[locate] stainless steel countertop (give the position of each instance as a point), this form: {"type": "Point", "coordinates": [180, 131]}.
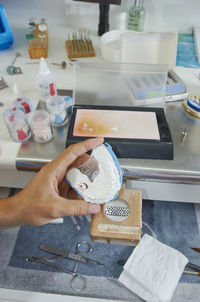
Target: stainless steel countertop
{"type": "Point", "coordinates": [184, 168]}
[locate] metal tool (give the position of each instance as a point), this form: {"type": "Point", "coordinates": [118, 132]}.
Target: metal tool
{"type": "Point", "coordinates": [184, 133]}
{"type": "Point", "coordinates": [33, 62]}
{"type": "Point", "coordinates": [66, 254]}
{"type": "Point", "coordinates": [190, 265]}
{"type": "Point", "coordinates": [191, 272]}
{"type": "Point", "coordinates": [82, 247]}
{"type": "Point", "coordinates": [63, 64]}
{"type": "Point", "coordinates": [76, 279]}
{"type": "Point", "coordinates": [18, 54]}
{"type": "Point", "coordinates": [193, 266]}
{"type": "Point", "coordinates": [11, 69]}
{"type": "Point", "coordinates": [78, 282]}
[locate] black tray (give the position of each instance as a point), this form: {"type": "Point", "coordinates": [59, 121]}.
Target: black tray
{"type": "Point", "coordinates": [132, 148]}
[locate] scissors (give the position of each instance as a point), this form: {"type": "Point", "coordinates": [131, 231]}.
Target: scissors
{"type": "Point", "coordinates": [78, 282]}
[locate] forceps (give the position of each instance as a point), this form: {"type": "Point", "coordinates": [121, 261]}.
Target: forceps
{"type": "Point", "coordinates": [81, 248]}
{"type": "Point", "coordinates": [75, 276]}
{"type": "Point", "coordinates": [78, 282]}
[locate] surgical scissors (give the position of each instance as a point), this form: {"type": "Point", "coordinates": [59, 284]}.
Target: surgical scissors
{"type": "Point", "coordinates": [84, 246]}
{"type": "Point", "coordinates": [75, 276]}
{"type": "Point", "coordinates": [78, 282]}
{"type": "Point", "coordinates": [81, 248]}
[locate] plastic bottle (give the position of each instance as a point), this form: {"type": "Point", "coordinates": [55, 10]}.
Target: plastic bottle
{"type": "Point", "coordinates": [136, 16]}
{"type": "Point", "coordinates": [45, 81]}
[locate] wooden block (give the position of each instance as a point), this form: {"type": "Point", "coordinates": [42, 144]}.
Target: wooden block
{"type": "Point", "coordinates": [127, 231]}
{"type": "Point", "coordinates": [38, 46]}
{"type": "Point", "coordinates": [79, 49]}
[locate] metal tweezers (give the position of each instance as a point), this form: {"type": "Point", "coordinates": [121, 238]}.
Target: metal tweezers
{"type": "Point", "coordinates": [66, 254]}
{"type": "Point", "coordinates": [78, 281]}
{"type": "Point", "coordinates": [45, 261]}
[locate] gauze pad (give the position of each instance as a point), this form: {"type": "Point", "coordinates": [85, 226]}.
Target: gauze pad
{"type": "Point", "coordinates": [99, 179]}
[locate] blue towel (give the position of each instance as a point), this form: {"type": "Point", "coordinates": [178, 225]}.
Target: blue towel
{"type": "Point", "coordinates": [172, 223]}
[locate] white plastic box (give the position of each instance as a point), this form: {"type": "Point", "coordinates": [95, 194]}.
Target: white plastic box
{"type": "Point", "coordinates": [127, 46]}
{"type": "Point", "coordinates": [119, 84]}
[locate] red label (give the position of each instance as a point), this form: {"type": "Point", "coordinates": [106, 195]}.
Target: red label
{"type": "Point", "coordinates": [21, 134]}
{"type": "Point", "coordinates": [52, 89]}
{"type": "Point", "coordinates": [26, 107]}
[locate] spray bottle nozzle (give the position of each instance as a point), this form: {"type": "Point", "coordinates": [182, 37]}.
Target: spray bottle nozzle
{"type": "Point", "coordinates": [43, 66]}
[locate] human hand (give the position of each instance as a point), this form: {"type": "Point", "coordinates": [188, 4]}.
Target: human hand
{"type": "Point", "coordinates": [47, 196]}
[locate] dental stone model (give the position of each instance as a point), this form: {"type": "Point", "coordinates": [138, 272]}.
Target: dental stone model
{"type": "Point", "coordinates": [99, 179]}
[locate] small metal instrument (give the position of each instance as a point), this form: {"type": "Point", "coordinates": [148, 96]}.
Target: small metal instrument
{"type": "Point", "coordinates": [18, 54]}
{"type": "Point", "coordinates": [184, 133]}
{"type": "Point", "coordinates": [11, 69]}
{"type": "Point", "coordinates": [78, 282]}
{"type": "Point", "coordinates": [66, 254]}
{"type": "Point", "coordinates": [193, 266]}
{"type": "Point", "coordinates": [63, 64]}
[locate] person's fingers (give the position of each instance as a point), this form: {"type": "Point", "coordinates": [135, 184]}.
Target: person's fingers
{"type": "Point", "coordinates": [67, 157]}
{"type": "Point", "coordinates": [75, 207]}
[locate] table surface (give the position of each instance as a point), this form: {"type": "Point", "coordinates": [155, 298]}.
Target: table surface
{"type": "Point", "coordinates": [185, 168]}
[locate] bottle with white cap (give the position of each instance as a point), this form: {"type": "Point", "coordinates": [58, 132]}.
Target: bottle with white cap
{"type": "Point", "coordinates": [136, 16]}
{"type": "Point", "coordinates": [45, 81]}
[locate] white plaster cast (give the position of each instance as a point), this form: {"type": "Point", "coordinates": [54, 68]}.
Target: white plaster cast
{"type": "Point", "coordinates": [107, 181]}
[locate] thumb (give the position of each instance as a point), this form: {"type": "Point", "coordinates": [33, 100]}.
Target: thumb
{"type": "Point", "coordinates": [78, 207]}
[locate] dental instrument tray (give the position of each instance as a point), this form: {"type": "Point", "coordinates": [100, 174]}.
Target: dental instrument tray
{"type": "Point", "coordinates": [133, 132]}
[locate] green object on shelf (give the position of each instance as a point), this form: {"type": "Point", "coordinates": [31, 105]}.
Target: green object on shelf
{"type": "Point", "coordinates": [29, 36]}
{"type": "Point", "coordinates": [136, 16]}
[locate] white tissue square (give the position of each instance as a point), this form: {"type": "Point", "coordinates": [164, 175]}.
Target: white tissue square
{"type": "Point", "coordinates": [153, 270]}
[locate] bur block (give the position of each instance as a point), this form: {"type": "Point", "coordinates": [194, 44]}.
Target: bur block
{"type": "Point", "coordinates": [38, 46]}
{"type": "Point", "coordinates": [79, 49]}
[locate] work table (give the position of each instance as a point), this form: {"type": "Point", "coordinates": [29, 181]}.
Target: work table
{"type": "Point", "coordinates": [184, 168]}
{"type": "Point", "coordinates": [167, 180]}
{"type": "Point", "coordinates": [181, 175]}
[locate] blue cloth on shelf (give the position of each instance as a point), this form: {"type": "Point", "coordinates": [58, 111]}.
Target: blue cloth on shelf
{"type": "Point", "coordinates": [173, 223]}
{"type": "Point", "coordinates": [186, 52]}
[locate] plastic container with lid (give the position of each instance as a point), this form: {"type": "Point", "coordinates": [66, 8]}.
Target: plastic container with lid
{"type": "Point", "coordinates": [23, 103]}
{"type": "Point", "coordinates": [69, 104]}
{"type": "Point", "coordinates": [45, 81]}
{"type": "Point", "coordinates": [56, 106]}
{"type": "Point", "coordinates": [120, 84]}
{"type": "Point", "coordinates": [41, 126]}
{"type": "Point", "coordinates": [17, 124]}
